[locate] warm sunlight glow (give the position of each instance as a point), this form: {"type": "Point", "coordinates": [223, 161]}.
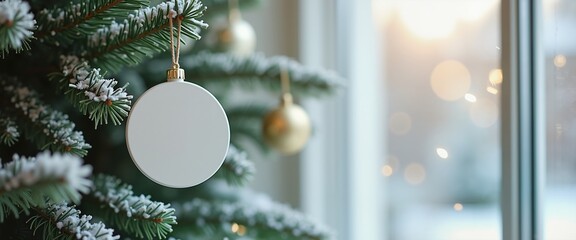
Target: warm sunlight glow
{"type": "Point", "coordinates": [439, 19]}
{"type": "Point", "coordinates": [560, 60]}
{"type": "Point", "coordinates": [495, 76]}
{"type": "Point", "coordinates": [484, 113]}
{"type": "Point", "coordinates": [470, 97]}
{"type": "Point", "coordinates": [387, 170]}
{"type": "Point", "coordinates": [400, 123]}
{"type": "Point", "coordinates": [450, 80]}
{"type": "Point", "coordinates": [475, 10]}
{"type": "Point", "coordinates": [415, 174]}
{"type": "Point", "coordinates": [427, 19]}
{"type": "Point", "coordinates": [442, 153]}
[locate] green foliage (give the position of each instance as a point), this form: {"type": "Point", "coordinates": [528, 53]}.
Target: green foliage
{"type": "Point", "coordinates": [8, 130]}
{"type": "Point", "coordinates": [220, 7]}
{"type": "Point", "coordinates": [61, 222]}
{"type": "Point", "coordinates": [74, 21]}
{"type": "Point", "coordinates": [112, 34]}
{"type": "Point", "coordinates": [248, 72]}
{"type": "Point", "coordinates": [34, 182]}
{"type": "Point", "coordinates": [236, 169]}
{"type": "Point", "coordinates": [136, 215]}
{"type": "Point", "coordinates": [16, 24]}
{"type": "Point", "coordinates": [257, 220]}
{"type": "Point", "coordinates": [47, 128]}
{"type": "Point", "coordinates": [246, 124]}
{"type": "Point", "coordinates": [142, 34]}
{"type": "Point", "coordinates": [91, 93]}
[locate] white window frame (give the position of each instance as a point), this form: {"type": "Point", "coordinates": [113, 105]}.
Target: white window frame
{"type": "Point", "coordinates": [333, 188]}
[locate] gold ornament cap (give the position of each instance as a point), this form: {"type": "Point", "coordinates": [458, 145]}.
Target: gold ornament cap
{"type": "Point", "coordinates": [175, 74]}
{"type": "Point", "coordinates": [286, 99]}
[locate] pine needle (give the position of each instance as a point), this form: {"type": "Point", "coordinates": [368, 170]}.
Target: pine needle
{"type": "Point", "coordinates": [29, 182]}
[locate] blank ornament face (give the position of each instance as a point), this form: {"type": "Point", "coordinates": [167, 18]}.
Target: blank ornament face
{"type": "Point", "coordinates": [177, 134]}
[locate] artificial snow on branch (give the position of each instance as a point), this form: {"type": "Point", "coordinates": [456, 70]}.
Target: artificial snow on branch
{"type": "Point", "coordinates": [236, 169]}
{"type": "Point", "coordinates": [8, 130]}
{"type": "Point", "coordinates": [91, 93]}
{"type": "Point", "coordinates": [61, 25]}
{"type": "Point", "coordinates": [136, 215]}
{"type": "Point", "coordinates": [31, 182]}
{"type": "Point", "coordinates": [254, 70]}
{"type": "Point", "coordinates": [16, 25]}
{"type": "Point", "coordinates": [47, 128]}
{"type": "Point", "coordinates": [60, 221]}
{"type": "Point", "coordinates": [261, 219]}
{"type": "Point", "coordinates": [142, 34]}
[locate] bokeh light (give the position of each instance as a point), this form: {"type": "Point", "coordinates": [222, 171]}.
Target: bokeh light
{"type": "Point", "coordinates": [492, 90]}
{"type": "Point", "coordinates": [560, 60]}
{"type": "Point", "coordinates": [238, 229]}
{"type": "Point", "coordinates": [458, 207]}
{"type": "Point", "coordinates": [470, 97]}
{"type": "Point", "coordinates": [415, 173]}
{"type": "Point", "coordinates": [442, 153]}
{"type": "Point", "coordinates": [450, 80]}
{"type": "Point", "coordinates": [400, 123]}
{"type": "Point", "coordinates": [495, 76]}
{"type": "Point", "coordinates": [387, 170]}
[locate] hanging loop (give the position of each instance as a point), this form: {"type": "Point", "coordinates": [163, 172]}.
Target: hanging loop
{"type": "Point", "coordinates": [175, 73]}
{"type": "Point", "coordinates": [285, 81]}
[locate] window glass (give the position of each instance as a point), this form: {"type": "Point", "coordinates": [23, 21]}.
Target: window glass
{"type": "Point", "coordinates": [559, 34]}
{"type": "Point", "coordinates": [443, 78]}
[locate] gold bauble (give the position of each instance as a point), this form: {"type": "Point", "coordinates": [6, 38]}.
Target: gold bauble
{"type": "Point", "coordinates": [238, 38]}
{"type": "Point", "coordinates": [287, 128]}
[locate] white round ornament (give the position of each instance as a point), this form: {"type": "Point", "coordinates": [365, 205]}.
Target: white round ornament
{"type": "Point", "coordinates": [177, 133]}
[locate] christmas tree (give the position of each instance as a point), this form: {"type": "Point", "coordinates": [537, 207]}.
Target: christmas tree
{"type": "Point", "coordinates": [69, 73]}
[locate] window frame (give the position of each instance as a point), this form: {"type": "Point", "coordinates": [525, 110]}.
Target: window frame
{"type": "Point", "coordinates": [523, 123]}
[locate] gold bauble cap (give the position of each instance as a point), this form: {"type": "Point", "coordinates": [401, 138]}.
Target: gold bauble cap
{"type": "Point", "coordinates": [175, 74]}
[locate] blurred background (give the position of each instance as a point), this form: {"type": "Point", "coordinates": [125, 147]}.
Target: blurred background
{"type": "Point", "coordinates": [410, 147]}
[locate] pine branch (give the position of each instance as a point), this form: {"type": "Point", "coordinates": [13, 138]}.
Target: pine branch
{"type": "Point", "coordinates": [16, 25]}
{"type": "Point", "coordinates": [76, 20]}
{"type": "Point", "coordinates": [256, 70]}
{"type": "Point", "coordinates": [59, 221]}
{"type": "Point", "coordinates": [142, 34]}
{"type": "Point", "coordinates": [9, 133]}
{"type": "Point", "coordinates": [246, 123]}
{"type": "Point", "coordinates": [27, 182]}
{"type": "Point", "coordinates": [265, 220]}
{"type": "Point", "coordinates": [236, 169]}
{"type": "Point", "coordinates": [136, 215]}
{"type": "Point", "coordinates": [91, 93]}
{"type": "Point", "coordinates": [47, 128]}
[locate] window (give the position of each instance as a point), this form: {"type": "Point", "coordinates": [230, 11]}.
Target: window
{"type": "Point", "coordinates": [559, 80]}
{"type": "Point", "coordinates": [457, 121]}
{"type": "Point", "coordinates": [443, 83]}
